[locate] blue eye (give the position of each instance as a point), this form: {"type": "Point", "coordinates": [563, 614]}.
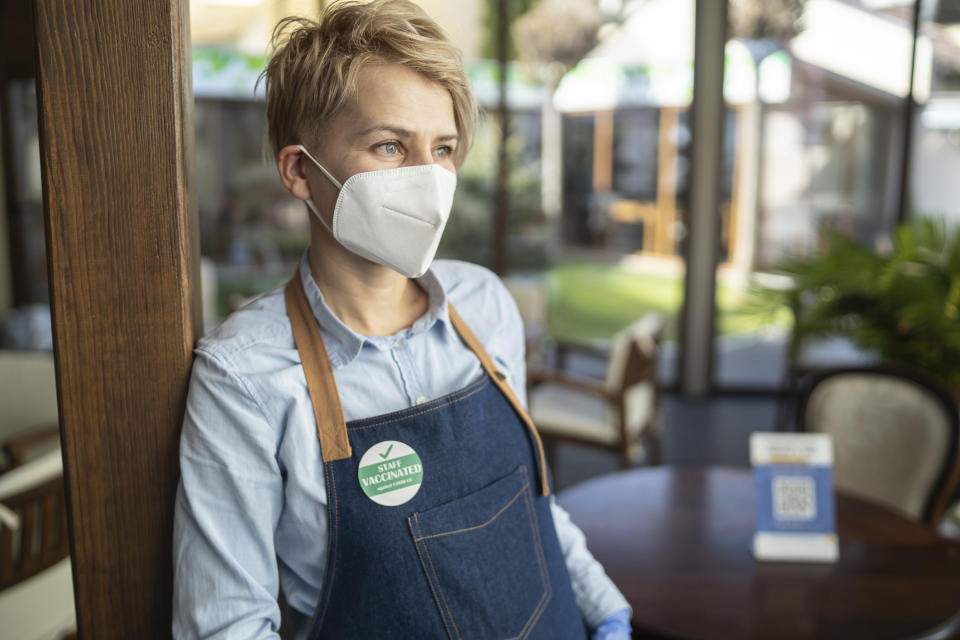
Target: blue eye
{"type": "Point", "coordinates": [444, 152]}
{"type": "Point", "coordinates": [390, 148]}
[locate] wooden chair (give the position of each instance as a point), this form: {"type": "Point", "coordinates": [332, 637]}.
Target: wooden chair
{"type": "Point", "coordinates": [619, 414]}
{"type": "Point", "coordinates": [36, 586]}
{"type": "Point", "coordinates": [895, 436]}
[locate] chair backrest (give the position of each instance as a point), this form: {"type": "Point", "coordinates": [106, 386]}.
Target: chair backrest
{"type": "Point", "coordinates": [36, 584]}
{"type": "Point", "coordinates": [895, 436]}
{"type": "Point", "coordinates": [33, 519]}
{"type": "Point", "coordinates": [634, 352]}
{"type": "Point", "coordinates": [28, 391]}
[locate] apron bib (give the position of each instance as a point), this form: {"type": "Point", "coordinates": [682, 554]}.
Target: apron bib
{"type": "Point", "coordinates": [439, 521]}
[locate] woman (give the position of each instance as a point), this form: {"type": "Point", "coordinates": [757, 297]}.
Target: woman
{"type": "Point", "coordinates": [356, 439]}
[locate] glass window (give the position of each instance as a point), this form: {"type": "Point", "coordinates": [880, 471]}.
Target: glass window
{"type": "Point", "coordinates": [818, 115]}
{"type": "Point", "coordinates": [935, 152]}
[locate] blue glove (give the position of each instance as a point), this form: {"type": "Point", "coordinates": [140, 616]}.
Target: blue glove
{"type": "Point", "coordinates": [616, 626]}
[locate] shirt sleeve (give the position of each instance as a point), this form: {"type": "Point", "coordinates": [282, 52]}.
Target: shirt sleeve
{"type": "Point", "coordinates": [227, 509]}
{"type": "Point", "coordinates": [596, 595]}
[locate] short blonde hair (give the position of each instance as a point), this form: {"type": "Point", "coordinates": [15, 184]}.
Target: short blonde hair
{"type": "Point", "coordinates": [313, 70]}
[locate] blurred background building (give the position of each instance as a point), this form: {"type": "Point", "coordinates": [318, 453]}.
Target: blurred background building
{"type": "Point", "coordinates": [839, 116]}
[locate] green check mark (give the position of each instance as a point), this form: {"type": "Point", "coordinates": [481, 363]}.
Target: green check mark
{"type": "Point", "coordinates": [386, 453]}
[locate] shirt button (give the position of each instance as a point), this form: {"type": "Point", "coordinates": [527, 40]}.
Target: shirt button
{"type": "Point", "coordinates": [422, 400]}
{"type": "Point", "coordinates": [398, 344]}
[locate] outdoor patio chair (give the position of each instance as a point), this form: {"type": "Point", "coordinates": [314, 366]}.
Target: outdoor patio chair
{"type": "Point", "coordinates": [895, 437]}
{"type": "Point", "coordinates": [619, 414]}
{"type": "Point", "coordinates": [36, 586]}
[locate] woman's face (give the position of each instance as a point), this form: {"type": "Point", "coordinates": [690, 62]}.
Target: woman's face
{"type": "Point", "coordinates": [399, 118]}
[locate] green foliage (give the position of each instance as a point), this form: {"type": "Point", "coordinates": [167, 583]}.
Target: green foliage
{"type": "Point", "coordinates": [901, 304]}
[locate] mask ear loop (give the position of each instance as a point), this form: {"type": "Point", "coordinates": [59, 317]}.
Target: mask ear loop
{"type": "Point", "coordinates": [335, 182]}
{"type": "Point", "coordinates": [309, 201]}
{"type": "Point", "coordinates": [313, 208]}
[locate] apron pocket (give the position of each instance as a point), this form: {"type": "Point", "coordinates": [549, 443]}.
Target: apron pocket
{"type": "Point", "coordinates": [483, 559]}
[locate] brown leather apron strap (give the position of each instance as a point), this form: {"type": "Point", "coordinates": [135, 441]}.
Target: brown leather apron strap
{"type": "Point", "coordinates": [500, 380]}
{"type": "Point", "coordinates": [331, 427]}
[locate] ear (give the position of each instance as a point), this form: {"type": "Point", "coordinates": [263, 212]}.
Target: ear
{"type": "Point", "coordinates": [290, 166]}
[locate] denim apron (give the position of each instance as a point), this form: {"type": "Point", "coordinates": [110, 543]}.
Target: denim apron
{"type": "Point", "coordinates": [473, 553]}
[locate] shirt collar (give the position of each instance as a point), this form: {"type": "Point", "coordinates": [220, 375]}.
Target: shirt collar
{"type": "Point", "coordinates": [343, 344]}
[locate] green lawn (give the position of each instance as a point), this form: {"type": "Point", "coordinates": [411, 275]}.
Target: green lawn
{"type": "Point", "coordinates": [589, 301]}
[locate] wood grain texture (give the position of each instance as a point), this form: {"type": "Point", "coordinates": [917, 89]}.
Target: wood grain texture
{"type": "Point", "coordinates": [677, 541]}
{"type": "Point", "coordinates": [115, 103]}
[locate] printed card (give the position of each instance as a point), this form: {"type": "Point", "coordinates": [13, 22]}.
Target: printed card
{"type": "Point", "coordinates": [793, 473]}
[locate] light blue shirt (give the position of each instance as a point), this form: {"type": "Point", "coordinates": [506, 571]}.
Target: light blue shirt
{"type": "Point", "coordinates": [251, 511]}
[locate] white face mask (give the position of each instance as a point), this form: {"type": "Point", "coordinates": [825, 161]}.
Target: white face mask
{"type": "Point", "coordinates": [393, 217]}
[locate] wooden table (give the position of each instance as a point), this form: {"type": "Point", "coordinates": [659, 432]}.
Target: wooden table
{"type": "Point", "coordinates": [677, 541]}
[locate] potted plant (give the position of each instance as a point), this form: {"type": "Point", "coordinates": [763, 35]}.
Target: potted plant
{"type": "Point", "coordinates": [901, 303]}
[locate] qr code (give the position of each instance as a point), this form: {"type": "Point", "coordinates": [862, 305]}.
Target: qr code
{"type": "Point", "coordinates": [794, 498]}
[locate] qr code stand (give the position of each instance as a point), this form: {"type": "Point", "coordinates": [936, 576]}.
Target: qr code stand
{"type": "Point", "coordinates": [793, 475]}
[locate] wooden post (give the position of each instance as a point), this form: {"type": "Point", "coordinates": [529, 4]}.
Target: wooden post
{"type": "Point", "coordinates": [115, 109]}
{"type": "Point", "coordinates": [603, 151]}
{"type": "Point", "coordinates": [667, 181]}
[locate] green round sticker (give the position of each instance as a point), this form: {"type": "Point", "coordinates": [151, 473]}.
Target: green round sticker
{"type": "Point", "coordinates": [390, 473]}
